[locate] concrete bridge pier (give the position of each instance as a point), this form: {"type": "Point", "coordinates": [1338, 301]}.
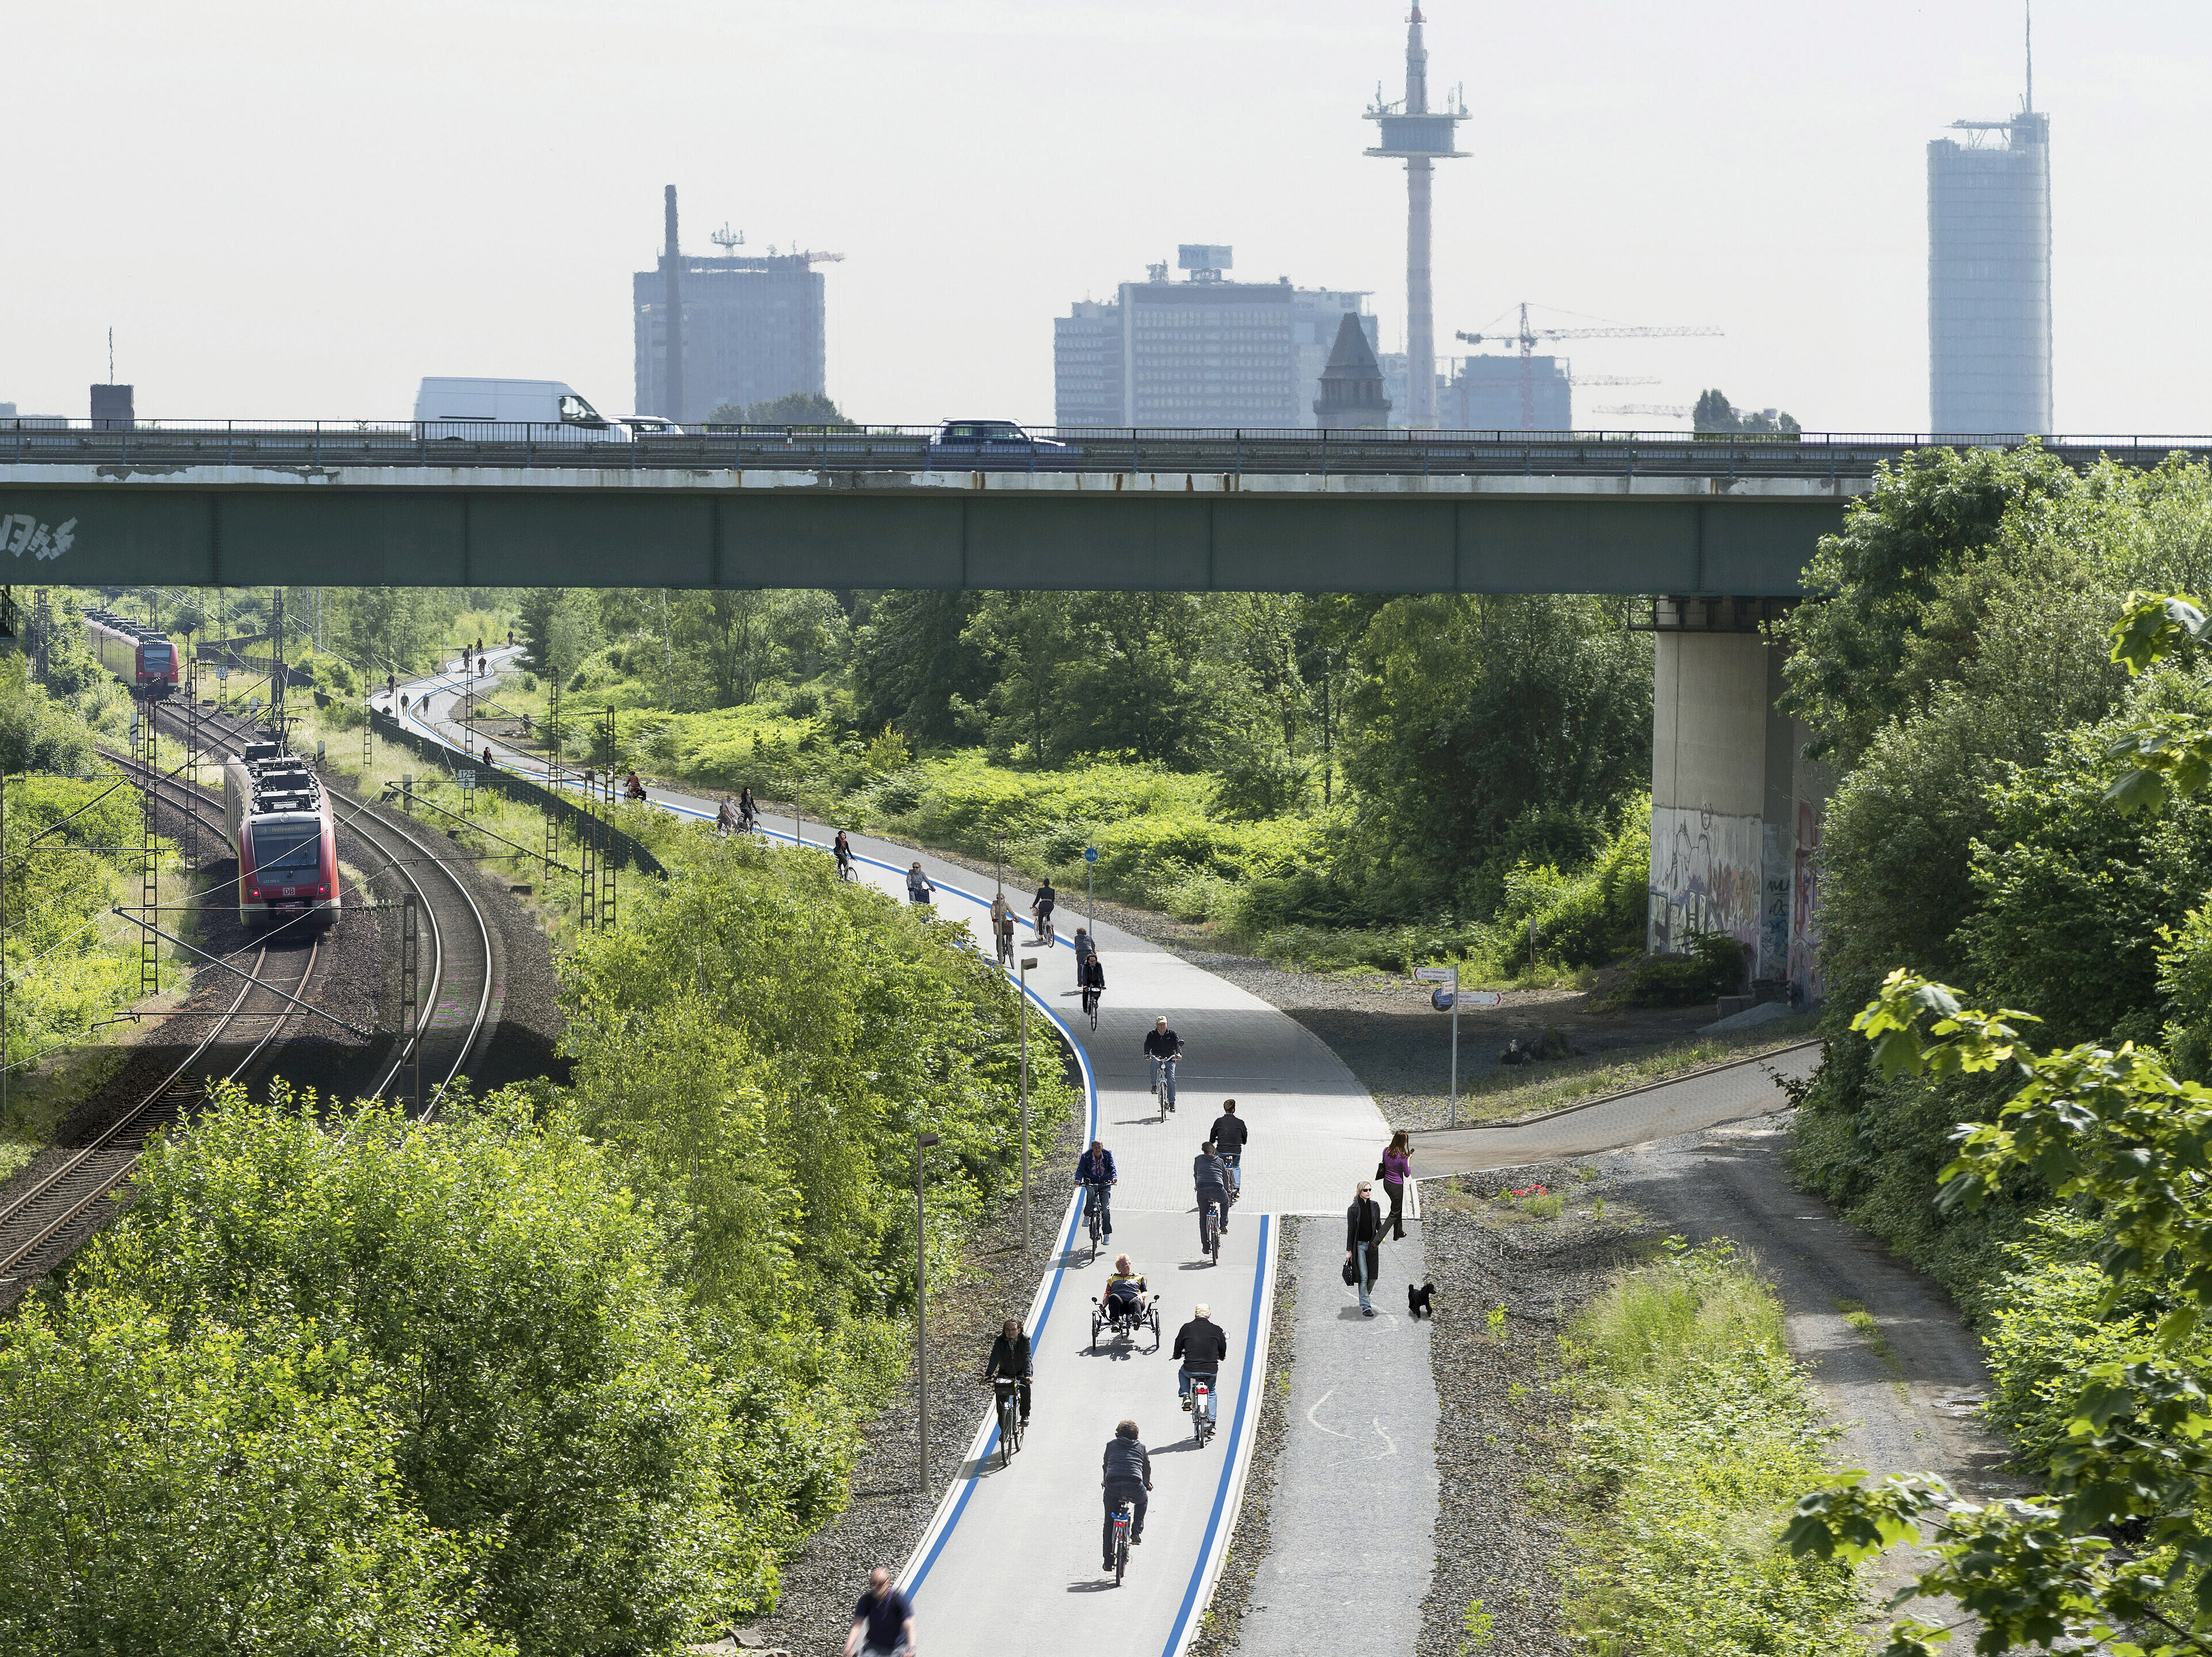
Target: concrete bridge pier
{"type": "Point", "coordinates": [1735, 807]}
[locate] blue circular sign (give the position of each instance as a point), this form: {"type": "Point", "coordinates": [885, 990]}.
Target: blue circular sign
{"type": "Point", "coordinates": [1090, 854]}
{"type": "Point", "coordinates": [1442, 999]}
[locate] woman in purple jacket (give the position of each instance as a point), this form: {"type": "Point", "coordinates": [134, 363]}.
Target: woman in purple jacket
{"type": "Point", "coordinates": [1393, 1171]}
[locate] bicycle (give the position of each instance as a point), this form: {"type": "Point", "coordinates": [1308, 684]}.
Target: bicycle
{"type": "Point", "coordinates": [1006, 940]}
{"type": "Point", "coordinates": [1094, 1206]}
{"type": "Point", "coordinates": [1043, 928]}
{"type": "Point", "coordinates": [1163, 1081]}
{"type": "Point", "coordinates": [1201, 1409]}
{"type": "Point", "coordinates": [1234, 1162]}
{"type": "Point", "coordinates": [1009, 1417]}
{"type": "Point", "coordinates": [1124, 1517]}
{"type": "Point", "coordinates": [1212, 1231]}
{"type": "Point", "coordinates": [1090, 999]}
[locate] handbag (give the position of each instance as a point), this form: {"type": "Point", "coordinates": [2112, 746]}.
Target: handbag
{"type": "Point", "coordinates": [1350, 1274]}
{"type": "Point", "coordinates": [1381, 1173]}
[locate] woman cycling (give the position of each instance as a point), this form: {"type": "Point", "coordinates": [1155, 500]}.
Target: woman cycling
{"type": "Point", "coordinates": [918, 889]}
{"type": "Point", "coordinates": [747, 811]}
{"type": "Point", "coordinates": [1091, 975]}
{"type": "Point", "coordinates": [843, 848]}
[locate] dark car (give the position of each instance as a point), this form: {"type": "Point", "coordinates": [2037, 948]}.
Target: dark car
{"type": "Point", "coordinates": [975, 443]}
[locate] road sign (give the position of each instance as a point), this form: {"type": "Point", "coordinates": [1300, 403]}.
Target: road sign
{"type": "Point", "coordinates": [223, 669]}
{"type": "Point", "coordinates": [1437, 975]}
{"type": "Point", "coordinates": [466, 778]}
{"type": "Point", "coordinates": [1090, 854]}
{"type": "Point", "coordinates": [1483, 999]}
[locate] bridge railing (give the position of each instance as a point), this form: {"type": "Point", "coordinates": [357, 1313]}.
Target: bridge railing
{"type": "Point", "coordinates": [1233, 451]}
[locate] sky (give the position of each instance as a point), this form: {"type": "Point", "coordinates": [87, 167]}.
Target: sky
{"type": "Point", "coordinates": [297, 208]}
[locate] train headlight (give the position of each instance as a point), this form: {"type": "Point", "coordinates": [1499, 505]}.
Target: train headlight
{"type": "Point", "coordinates": [322, 891]}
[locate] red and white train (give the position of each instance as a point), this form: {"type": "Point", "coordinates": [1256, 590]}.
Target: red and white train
{"type": "Point", "coordinates": [142, 658]}
{"type": "Point", "coordinates": [278, 817]}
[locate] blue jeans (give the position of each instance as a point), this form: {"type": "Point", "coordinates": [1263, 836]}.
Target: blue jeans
{"type": "Point", "coordinates": [1215, 1195]}
{"type": "Point", "coordinates": [1363, 1260]}
{"type": "Point", "coordinates": [1169, 1071]}
{"type": "Point", "coordinates": [1213, 1384]}
{"type": "Point", "coordinates": [1103, 1196]}
{"type": "Point", "coordinates": [1234, 1161]}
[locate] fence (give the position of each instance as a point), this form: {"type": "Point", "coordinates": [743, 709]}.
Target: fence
{"type": "Point", "coordinates": [613, 843]}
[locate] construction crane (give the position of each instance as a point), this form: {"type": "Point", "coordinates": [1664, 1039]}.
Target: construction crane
{"type": "Point", "coordinates": [1666, 410]}
{"type": "Point", "coordinates": [1525, 338]}
{"type": "Point", "coordinates": [1613, 379]}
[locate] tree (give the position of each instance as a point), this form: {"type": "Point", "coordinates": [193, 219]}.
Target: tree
{"type": "Point", "coordinates": [223, 1491]}
{"type": "Point", "coordinates": [1715, 413]}
{"type": "Point", "coordinates": [2117, 1548]}
{"type": "Point", "coordinates": [792, 409]}
{"type": "Point", "coordinates": [560, 629]}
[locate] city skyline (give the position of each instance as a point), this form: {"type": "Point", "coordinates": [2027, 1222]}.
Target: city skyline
{"type": "Point", "coordinates": [1637, 167]}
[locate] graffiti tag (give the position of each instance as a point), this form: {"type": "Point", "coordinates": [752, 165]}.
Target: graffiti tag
{"type": "Point", "coordinates": [20, 533]}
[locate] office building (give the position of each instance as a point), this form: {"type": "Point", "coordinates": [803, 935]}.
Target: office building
{"type": "Point", "coordinates": [1988, 277]}
{"type": "Point", "coordinates": [1483, 394]}
{"type": "Point", "coordinates": [1205, 351]}
{"type": "Point", "coordinates": [749, 328]}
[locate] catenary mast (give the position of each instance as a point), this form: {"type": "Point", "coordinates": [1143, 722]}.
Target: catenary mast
{"type": "Point", "coordinates": [1411, 131]}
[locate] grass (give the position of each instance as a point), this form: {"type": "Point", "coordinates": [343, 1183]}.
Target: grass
{"type": "Point", "coordinates": [1695, 1435]}
{"type": "Point", "coordinates": [1869, 1330]}
{"type": "Point", "coordinates": [1537, 1089]}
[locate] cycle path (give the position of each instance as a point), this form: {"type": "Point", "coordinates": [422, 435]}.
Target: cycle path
{"type": "Point", "coordinates": [1012, 1555]}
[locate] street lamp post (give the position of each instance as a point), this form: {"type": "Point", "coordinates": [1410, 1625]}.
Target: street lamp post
{"type": "Point", "coordinates": [921, 1142]}
{"type": "Point", "coordinates": [1028, 964]}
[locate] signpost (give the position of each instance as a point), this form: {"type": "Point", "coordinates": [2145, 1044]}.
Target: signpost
{"type": "Point", "coordinates": [1445, 997]}
{"type": "Point", "coordinates": [1090, 903]}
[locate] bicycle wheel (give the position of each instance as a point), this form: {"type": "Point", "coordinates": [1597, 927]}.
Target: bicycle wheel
{"type": "Point", "coordinates": [1120, 1552]}
{"type": "Point", "coordinates": [1214, 1233]}
{"type": "Point", "coordinates": [1008, 1414]}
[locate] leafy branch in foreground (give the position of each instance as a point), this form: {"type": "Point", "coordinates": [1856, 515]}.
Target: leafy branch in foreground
{"type": "Point", "coordinates": [2116, 1550]}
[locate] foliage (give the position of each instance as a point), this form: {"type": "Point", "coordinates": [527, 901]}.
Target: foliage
{"type": "Point", "coordinates": [792, 409]}
{"type": "Point", "coordinates": [552, 1404]}
{"type": "Point", "coordinates": [1693, 1431]}
{"type": "Point", "coordinates": [1713, 966]}
{"type": "Point", "coordinates": [212, 1489]}
{"type": "Point", "coordinates": [1715, 413]}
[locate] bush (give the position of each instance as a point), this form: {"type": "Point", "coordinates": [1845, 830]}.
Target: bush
{"type": "Point", "coordinates": [1713, 968]}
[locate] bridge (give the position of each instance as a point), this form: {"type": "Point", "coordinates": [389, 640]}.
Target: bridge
{"type": "Point", "coordinates": [238, 503]}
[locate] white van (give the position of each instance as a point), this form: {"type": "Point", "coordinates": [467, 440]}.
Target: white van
{"type": "Point", "coordinates": [512, 411]}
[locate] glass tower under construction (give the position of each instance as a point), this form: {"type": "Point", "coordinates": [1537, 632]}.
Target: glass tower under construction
{"type": "Point", "coordinates": [1988, 278]}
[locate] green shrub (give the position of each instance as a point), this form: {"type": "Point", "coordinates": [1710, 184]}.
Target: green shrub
{"type": "Point", "coordinates": [1714, 967]}
{"type": "Point", "coordinates": [1696, 1434]}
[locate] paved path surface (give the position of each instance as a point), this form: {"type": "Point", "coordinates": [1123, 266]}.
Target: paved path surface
{"type": "Point", "coordinates": [1355, 1503]}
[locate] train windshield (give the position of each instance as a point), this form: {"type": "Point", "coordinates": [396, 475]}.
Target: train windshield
{"type": "Point", "coordinates": [287, 848]}
{"type": "Point", "coordinates": [157, 655]}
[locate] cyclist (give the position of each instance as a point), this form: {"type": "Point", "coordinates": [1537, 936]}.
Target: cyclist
{"type": "Point", "coordinates": [1091, 975]}
{"type": "Point", "coordinates": [1095, 1174]}
{"type": "Point", "coordinates": [918, 889]}
{"type": "Point", "coordinates": [1009, 1359]}
{"type": "Point", "coordinates": [1002, 928]}
{"type": "Point", "coordinates": [392, 684]}
{"type": "Point", "coordinates": [632, 788]}
{"type": "Point", "coordinates": [1085, 949]}
{"type": "Point", "coordinates": [1230, 1132]}
{"type": "Point", "coordinates": [746, 810]}
{"type": "Point", "coordinates": [1200, 1345]}
{"type": "Point", "coordinates": [1125, 1288]}
{"type": "Point", "coordinates": [1164, 1048]}
{"type": "Point", "coordinates": [1212, 1179]}
{"type": "Point", "coordinates": [725, 817]}
{"type": "Point", "coordinates": [883, 1621]}
{"type": "Point", "coordinates": [487, 757]}
{"type": "Point", "coordinates": [1126, 1476]}
{"type": "Point", "coordinates": [1041, 910]}
{"type": "Point", "coordinates": [843, 848]}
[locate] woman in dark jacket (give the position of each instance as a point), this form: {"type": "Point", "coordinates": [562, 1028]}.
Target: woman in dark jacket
{"type": "Point", "coordinates": [1010, 1356]}
{"type": "Point", "coordinates": [1363, 1233]}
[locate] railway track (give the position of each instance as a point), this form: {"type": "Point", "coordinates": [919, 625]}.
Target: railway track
{"type": "Point", "coordinates": [42, 1223]}
{"type": "Point", "coordinates": [461, 961]}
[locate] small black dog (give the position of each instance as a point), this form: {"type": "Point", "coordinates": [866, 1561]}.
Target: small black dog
{"type": "Point", "coordinates": [1416, 1300]}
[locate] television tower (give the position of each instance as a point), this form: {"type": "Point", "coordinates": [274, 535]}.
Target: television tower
{"type": "Point", "coordinates": [1411, 131]}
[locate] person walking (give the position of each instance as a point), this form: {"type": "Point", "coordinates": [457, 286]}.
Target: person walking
{"type": "Point", "coordinates": [1126, 1476]}
{"type": "Point", "coordinates": [1200, 1346]}
{"type": "Point", "coordinates": [883, 1621]}
{"type": "Point", "coordinates": [1212, 1179]}
{"type": "Point", "coordinates": [1393, 1170]}
{"type": "Point", "coordinates": [1363, 1231]}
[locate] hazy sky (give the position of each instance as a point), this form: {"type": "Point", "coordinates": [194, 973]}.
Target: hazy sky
{"type": "Point", "coordinates": [301, 208]}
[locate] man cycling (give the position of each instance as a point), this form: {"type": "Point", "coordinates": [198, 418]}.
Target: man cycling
{"type": "Point", "coordinates": [1010, 1360]}
{"type": "Point", "coordinates": [1126, 1476]}
{"type": "Point", "coordinates": [1095, 1174]}
{"type": "Point", "coordinates": [746, 810]}
{"type": "Point", "coordinates": [1212, 1179]}
{"type": "Point", "coordinates": [1091, 977]}
{"type": "Point", "coordinates": [1002, 928]}
{"type": "Point", "coordinates": [1083, 949]}
{"type": "Point", "coordinates": [632, 788]}
{"type": "Point", "coordinates": [1230, 1132]}
{"type": "Point", "coordinates": [1041, 908]}
{"type": "Point", "coordinates": [882, 1621]}
{"type": "Point", "coordinates": [843, 848]}
{"type": "Point", "coordinates": [1164, 1048]}
{"type": "Point", "coordinates": [1125, 1289]}
{"type": "Point", "coordinates": [1200, 1345]}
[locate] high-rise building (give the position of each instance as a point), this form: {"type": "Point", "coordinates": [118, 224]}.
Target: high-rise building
{"type": "Point", "coordinates": [1202, 352]}
{"type": "Point", "coordinates": [1988, 275]}
{"type": "Point", "coordinates": [750, 329]}
{"type": "Point", "coordinates": [1411, 130]}
{"type": "Point", "coordinates": [1485, 394]}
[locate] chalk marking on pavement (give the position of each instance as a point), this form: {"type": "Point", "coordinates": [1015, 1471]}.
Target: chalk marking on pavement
{"type": "Point", "coordinates": [1317, 1403]}
{"type": "Point", "coordinates": [1387, 1439]}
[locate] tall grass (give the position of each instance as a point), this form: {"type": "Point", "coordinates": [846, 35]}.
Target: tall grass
{"type": "Point", "coordinates": [1697, 1434]}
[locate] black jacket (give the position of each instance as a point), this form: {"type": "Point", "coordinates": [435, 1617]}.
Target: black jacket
{"type": "Point", "coordinates": [1200, 1343]}
{"type": "Point", "coordinates": [1128, 1461]}
{"type": "Point", "coordinates": [1364, 1215]}
{"type": "Point", "coordinates": [1230, 1132]}
{"type": "Point", "coordinates": [1093, 973]}
{"type": "Point", "coordinates": [1162, 1044]}
{"type": "Point", "coordinates": [1009, 1357]}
